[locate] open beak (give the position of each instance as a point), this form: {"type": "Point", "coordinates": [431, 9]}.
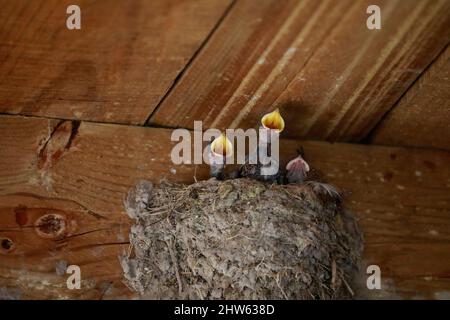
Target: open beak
{"type": "Point", "coordinates": [297, 170]}
{"type": "Point", "coordinates": [298, 164]}
{"type": "Point", "coordinates": [273, 121]}
{"type": "Point", "coordinates": [221, 146]}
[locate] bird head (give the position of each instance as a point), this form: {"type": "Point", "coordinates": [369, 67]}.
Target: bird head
{"type": "Point", "coordinates": [222, 147]}
{"type": "Point", "coordinates": [297, 169]}
{"type": "Point", "coordinates": [273, 121]}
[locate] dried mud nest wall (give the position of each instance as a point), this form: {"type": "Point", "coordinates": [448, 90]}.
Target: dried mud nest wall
{"type": "Point", "coordinates": [240, 239]}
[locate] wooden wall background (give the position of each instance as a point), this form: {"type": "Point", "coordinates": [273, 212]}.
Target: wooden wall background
{"type": "Point", "coordinates": [86, 114]}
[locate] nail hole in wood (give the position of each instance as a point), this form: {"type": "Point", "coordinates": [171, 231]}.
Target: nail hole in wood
{"type": "Point", "coordinates": [6, 244]}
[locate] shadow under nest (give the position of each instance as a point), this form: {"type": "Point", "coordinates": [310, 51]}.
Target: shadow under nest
{"type": "Point", "coordinates": [240, 239]}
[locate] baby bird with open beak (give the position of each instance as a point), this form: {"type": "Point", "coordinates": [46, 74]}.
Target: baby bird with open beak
{"type": "Point", "coordinates": [272, 124]}
{"type": "Point", "coordinates": [220, 149]}
{"type": "Point", "coordinates": [273, 121]}
{"type": "Point", "coordinates": [297, 169]}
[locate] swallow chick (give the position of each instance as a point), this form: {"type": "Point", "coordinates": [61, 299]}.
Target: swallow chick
{"type": "Point", "coordinates": [220, 149]}
{"type": "Point", "coordinates": [297, 169]}
{"type": "Point", "coordinates": [272, 124]}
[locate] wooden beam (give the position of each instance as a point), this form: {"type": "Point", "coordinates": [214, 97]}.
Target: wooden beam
{"type": "Point", "coordinates": [330, 75]}
{"type": "Point", "coordinates": [115, 69]}
{"type": "Point", "coordinates": [82, 171]}
{"type": "Point", "coordinates": [422, 117]}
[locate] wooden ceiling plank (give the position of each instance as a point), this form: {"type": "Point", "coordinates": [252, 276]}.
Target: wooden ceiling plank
{"type": "Point", "coordinates": [422, 117]}
{"type": "Point", "coordinates": [115, 69]}
{"type": "Point", "coordinates": [331, 77]}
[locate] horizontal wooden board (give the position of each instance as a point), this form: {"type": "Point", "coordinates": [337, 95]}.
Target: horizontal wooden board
{"type": "Point", "coordinates": [115, 69]}
{"type": "Point", "coordinates": [422, 116]}
{"type": "Point", "coordinates": [330, 75]}
{"type": "Point", "coordinates": [82, 171]}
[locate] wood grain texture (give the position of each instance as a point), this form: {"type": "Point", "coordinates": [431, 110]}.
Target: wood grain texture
{"type": "Point", "coordinates": [422, 116]}
{"type": "Point", "coordinates": [317, 61]}
{"type": "Point", "coordinates": [82, 171]}
{"type": "Point", "coordinates": [35, 267]}
{"type": "Point", "coordinates": [115, 69]}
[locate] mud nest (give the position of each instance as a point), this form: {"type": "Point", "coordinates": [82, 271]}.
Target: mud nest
{"type": "Point", "coordinates": [240, 239]}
